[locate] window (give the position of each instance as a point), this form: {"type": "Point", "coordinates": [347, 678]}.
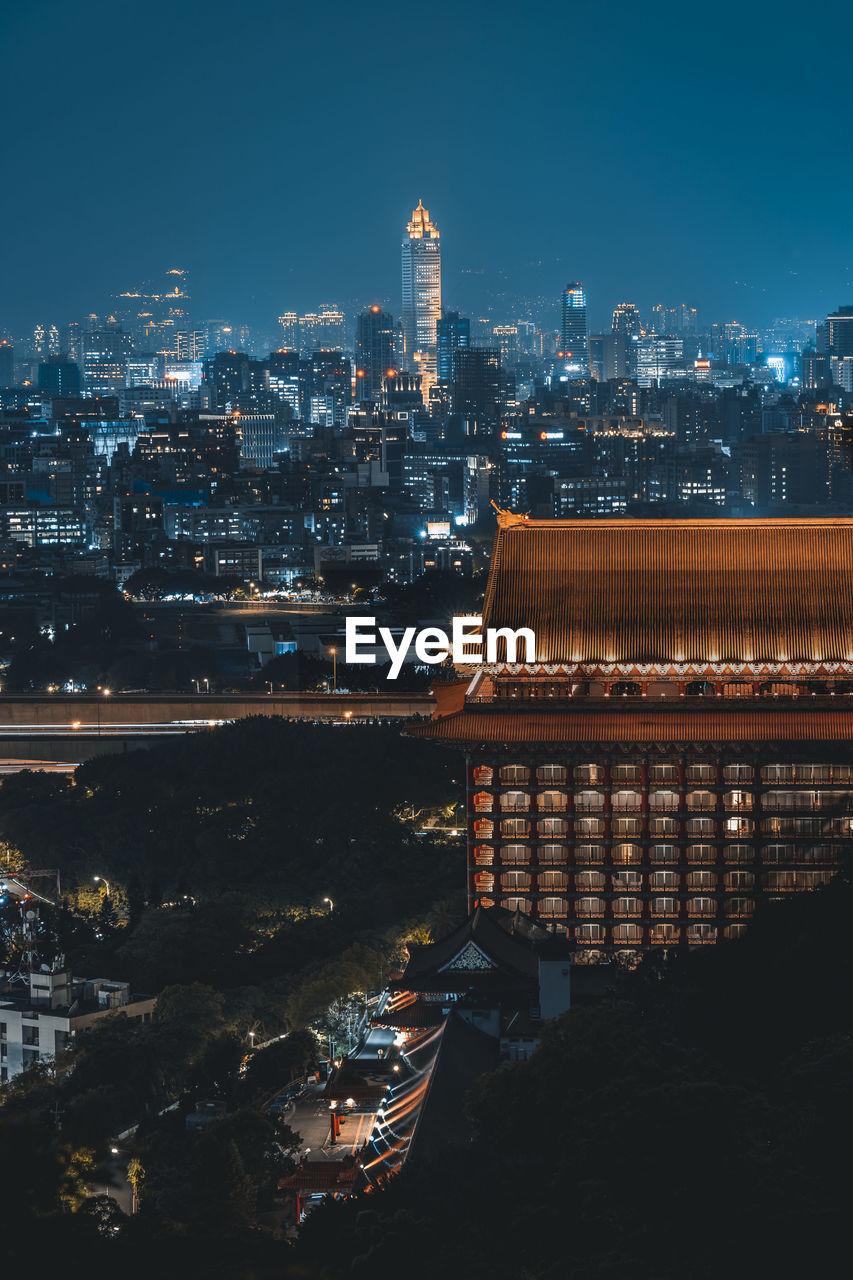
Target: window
{"type": "Point", "coordinates": [701, 826]}
{"type": "Point", "coordinates": [701, 800]}
{"type": "Point", "coordinates": [516, 904]}
{"type": "Point", "coordinates": [777, 773]}
{"type": "Point", "coordinates": [627, 907]}
{"type": "Point", "coordinates": [701, 773]}
{"type": "Point", "coordinates": [588, 773]}
{"type": "Point", "coordinates": [625, 773]}
{"type": "Point", "coordinates": [738, 800]}
{"type": "Point", "coordinates": [664, 906]}
{"type": "Point", "coordinates": [589, 881]}
{"type": "Point", "coordinates": [589, 934]}
{"type": "Point", "coordinates": [739, 880]}
{"type": "Point", "coordinates": [513, 827]}
{"type": "Point", "coordinates": [551, 773]}
{"type": "Point", "coordinates": [663, 772]}
{"type": "Point", "coordinates": [587, 853]}
{"type": "Point", "coordinates": [627, 882]}
{"type": "Point", "coordinates": [515, 854]}
{"type": "Point", "coordinates": [552, 853]}
{"type": "Point", "coordinates": [552, 827]}
{"type": "Point", "coordinates": [627, 800]}
{"type": "Point", "coordinates": [701, 907]}
{"type": "Point", "coordinates": [627, 826]}
{"type": "Point", "coordinates": [663, 880]}
{"type": "Point", "coordinates": [626, 853]}
{"type": "Point", "coordinates": [552, 880]}
{"type": "Point", "coordinates": [738, 826]}
{"type": "Point", "coordinates": [664, 934]}
{"type": "Point", "coordinates": [627, 934]}
{"type": "Point", "coordinates": [778, 853]}
{"type": "Point", "coordinates": [586, 801]}
{"type": "Point", "coordinates": [699, 934]}
{"type": "Point", "coordinates": [737, 773]}
{"type": "Point", "coordinates": [29, 1035]}
{"type": "Point", "coordinates": [515, 773]}
{"type": "Point", "coordinates": [551, 907]}
{"type": "Point", "coordinates": [589, 907]}
{"type": "Point", "coordinates": [589, 826]}
{"type": "Point", "coordinates": [550, 800]}
{"type": "Point", "coordinates": [669, 826]}
{"type": "Point", "coordinates": [701, 853]}
{"type": "Point", "coordinates": [663, 853]}
{"type": "Point", "coordinates": [739, 907]}
{"type": "Point", "coordinates": [515, 880]}
{"type": "Point", "coordinates": [515, 801]}
{"type": "Point", "coordinates": [666, 800]}
{"type": "Point", "coordinates": [706, 880]}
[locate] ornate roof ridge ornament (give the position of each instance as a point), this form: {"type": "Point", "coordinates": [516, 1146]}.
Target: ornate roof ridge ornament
{"type": "Point", "coordinates": [509, 519]}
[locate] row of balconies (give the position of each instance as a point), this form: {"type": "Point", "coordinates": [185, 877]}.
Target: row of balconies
{"type": "Point", "coordinates": [621, 802]}
{"type": "Point", "coordinates": [651, 882]}
{"type": "Point", "coordinates": [707, 775]}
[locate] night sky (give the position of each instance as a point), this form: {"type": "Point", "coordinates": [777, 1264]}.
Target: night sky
{"type": "Point", "coordinates": [664, 152]}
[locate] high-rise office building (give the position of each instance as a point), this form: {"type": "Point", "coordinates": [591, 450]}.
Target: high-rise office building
{"type": "Point", "coordinates": [574, 334]}
{"type": "Point", "coordinates": [104, 359]}
{"type": "Point", "coordinates": [453, 334]}
{"type": "Point", "coordinates": [59, 376]}
{"type": "Point", "coordinates": [421, 263]}
{"type": "Point", "coordinates": [626, 319]}
{"type": "Point", "coordinates": [374, 351]}
{"type": "Point", "coordinates": [839, 341]}
{"type": "Point", "coordinates": [477, 384]}
{"type": "Point", "coordinates": [7, 364]}
{"type": "Point", "coordinates": [657, 359]}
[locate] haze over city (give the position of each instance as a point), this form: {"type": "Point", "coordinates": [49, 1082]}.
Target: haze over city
{"type": "Point", "coordinates": [671, 156]}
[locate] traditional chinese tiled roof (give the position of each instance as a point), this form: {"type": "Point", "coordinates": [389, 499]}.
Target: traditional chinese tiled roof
{"type": "Point", "coordinates": [321, 1175]}
{"type": "Point", "coordinates": [676, 590]}
{"type": "Point", "coordinates": [521, 723]}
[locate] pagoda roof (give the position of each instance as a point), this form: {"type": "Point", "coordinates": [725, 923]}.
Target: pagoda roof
{"type": "Point", "coordinates": [313, 1176]}
{"type": "Point", "coordinates": [415, 1016]}
{"type": "Point", "coordinates": [480, 947]}
{"type": "Point", "coordinates": [776, 590]}
{"type": "Point", "coordinates": [523, 723]}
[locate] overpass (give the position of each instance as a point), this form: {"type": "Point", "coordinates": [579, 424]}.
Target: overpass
{"type": "Point", "coordinates": [74, 727]}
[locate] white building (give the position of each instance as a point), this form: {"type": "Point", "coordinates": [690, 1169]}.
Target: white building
{"type": "Point", "coordinates": [39, 1019]}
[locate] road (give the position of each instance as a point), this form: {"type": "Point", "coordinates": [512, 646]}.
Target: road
{"type": "Point", "coordinates": [310, 1119]}
{"type": "Point", "coordinates": [37, 766]}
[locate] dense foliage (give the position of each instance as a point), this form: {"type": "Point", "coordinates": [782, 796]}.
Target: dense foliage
{"type": "Point", "coordinates": [697, 1125]}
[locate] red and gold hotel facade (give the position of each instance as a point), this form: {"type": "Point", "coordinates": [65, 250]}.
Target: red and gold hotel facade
{"type": "Point", "coordinates": [681, 748]}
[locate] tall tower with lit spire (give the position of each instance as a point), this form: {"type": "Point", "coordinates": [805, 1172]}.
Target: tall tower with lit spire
{"type": "Point", "coordinates": [421, 256]}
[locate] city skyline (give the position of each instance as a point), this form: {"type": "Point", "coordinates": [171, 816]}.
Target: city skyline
{"type": "Point", "coordinates": [686, 180]}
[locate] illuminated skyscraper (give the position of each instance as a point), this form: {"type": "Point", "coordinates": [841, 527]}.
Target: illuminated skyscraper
{"type": "Point", "coordinates": [575, 339]}
{"type": "Point", "coordinates": [421, 256]}
{"type": "Point", "coordinates": [626, 319]}
{"type": "Point", "coordinates": [454, 333]}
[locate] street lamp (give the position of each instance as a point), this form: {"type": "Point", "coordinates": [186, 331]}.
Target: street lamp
{"type": "Point", "coordinates": [334, 654]}
{"type": "Point", "coordinates": [102, 880]}
{"type": "Point", "coordinates": [331, 905]}
{"type": "Point", "coordinates": [106, 694]}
